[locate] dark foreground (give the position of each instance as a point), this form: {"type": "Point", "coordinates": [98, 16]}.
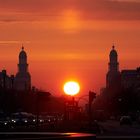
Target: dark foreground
{"type": "Point", "coordinates": [59, 136]}
{"type": "Point", "coordinates": [46, 136]}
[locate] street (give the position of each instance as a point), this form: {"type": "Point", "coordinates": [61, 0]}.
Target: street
{"type": "Point", "coordinates": [46, 136]}
{"type": "Point", "coordinates": [113, 128]}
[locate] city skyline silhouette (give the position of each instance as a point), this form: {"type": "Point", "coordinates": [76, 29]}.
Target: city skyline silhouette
{"type": "Point", "coordinates": [69, 66]}
{"type": "Point", "coordinates": [111, 61]}
{"type": "Point", "coordinates": [67, 41]}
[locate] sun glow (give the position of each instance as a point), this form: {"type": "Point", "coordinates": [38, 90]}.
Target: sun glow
{"type": "Point", "coordinates": [70, 20]}
{"type": "Point", "coordinates": [71, 88]}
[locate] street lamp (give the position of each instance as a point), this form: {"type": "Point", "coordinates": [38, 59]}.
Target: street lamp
{"type": "Point", "coordinates": [92, 96]}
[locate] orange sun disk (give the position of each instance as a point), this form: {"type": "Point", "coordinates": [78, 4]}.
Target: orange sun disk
{"type": "Point", "coordinates": [71, 88]}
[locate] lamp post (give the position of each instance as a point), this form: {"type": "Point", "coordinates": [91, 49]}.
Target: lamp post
{"type": "Point", "coordinates": [92, 96]}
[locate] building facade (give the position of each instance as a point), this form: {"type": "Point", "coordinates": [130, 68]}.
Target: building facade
{"type": "Point", "coordinates": [130, 78]}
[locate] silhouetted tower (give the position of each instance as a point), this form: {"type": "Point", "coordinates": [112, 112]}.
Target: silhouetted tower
{"type": "Point", "coordinates": [113, 64]}
{"type": "Point", "coordinates": [113, 75]}
{"type": "Point", "coordinates": [23, 78]}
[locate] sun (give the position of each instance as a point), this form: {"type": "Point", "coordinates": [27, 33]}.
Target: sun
{"type": "Point", "coordinates": [71, 88]}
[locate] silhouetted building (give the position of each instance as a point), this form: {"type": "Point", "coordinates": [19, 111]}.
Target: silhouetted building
{"type": "Point", "coordinates": [130, 78]}
{"type": "Point", "coordinates": [113, 75]}
{"type": "Point", "coordinates": [5, 80]}
{"type": "Point", "coordinates": [125, 79]}
{"type": "Point", "coordinates": [23, 78]}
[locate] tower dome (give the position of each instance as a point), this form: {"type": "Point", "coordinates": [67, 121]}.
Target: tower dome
{"type": "Point", "coordinates": [22, 54]}
{"type": "Point", "coordinates": [113, 52]}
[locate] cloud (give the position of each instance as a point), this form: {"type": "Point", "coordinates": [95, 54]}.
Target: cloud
{"type": "Point", "coordinates": [126, 0]}
{"type": "Point", "coordinates": [31, 10]}
{"type": "Point", "coordinates": [109, 10]}
{"type": "Point", "coordinates": [13, 42]}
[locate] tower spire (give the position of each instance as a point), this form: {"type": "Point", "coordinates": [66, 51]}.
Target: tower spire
{"type": "Point", "coordinates": [113, 46]}
{"type": "Point", "coordinates": [22, 47]}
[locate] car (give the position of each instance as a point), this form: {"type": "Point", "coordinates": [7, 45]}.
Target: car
{"type": "Point", "coordinates": [125, 120]}
{"type": "Point", "coordinates": [23, 118]}
{"type": "Point", "coordinates": [4, 120]}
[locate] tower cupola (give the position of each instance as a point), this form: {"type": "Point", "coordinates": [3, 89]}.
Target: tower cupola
{"type": "Point", "coordinates": [23, 78]}
{"type": "Point", "coordinates": [113, 75]}
{"type": "Point", "coordinates": [113, 57]}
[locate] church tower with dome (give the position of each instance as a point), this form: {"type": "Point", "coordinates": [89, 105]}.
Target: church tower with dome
{"type": "Point", "coordinates": [113, 76]}
{"type": "Point", "coordinates": [23, 78]}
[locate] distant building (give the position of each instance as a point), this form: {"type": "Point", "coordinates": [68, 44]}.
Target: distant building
{"type": "Point", "coordinates": [130, 78]}
{"type": "Point", "coordinates": [113, 76]}
{"type": "Point", "coordinates": [125, 79]}
{"type": "Point", "coordinates": [6, 81]}
{"type": "Point", "coordinates": [22, 79]}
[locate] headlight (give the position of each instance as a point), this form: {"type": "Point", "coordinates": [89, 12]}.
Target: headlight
{"type": "Point", "coordinates": [13, 121]}
{"type": "Point", "coordinates": [41, 120]}
{"type": "Point", "coordinates": [25, 121]}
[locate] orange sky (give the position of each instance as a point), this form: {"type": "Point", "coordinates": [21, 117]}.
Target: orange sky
{"type": "Point", "coordinates": [69, 39]}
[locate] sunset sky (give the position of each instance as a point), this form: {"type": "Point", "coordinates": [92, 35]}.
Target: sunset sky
{"type": "Point", "coordinates": [69, 39]}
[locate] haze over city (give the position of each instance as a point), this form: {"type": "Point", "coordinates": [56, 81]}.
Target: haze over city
{"type": "Point", "coordinates": [69, 39]}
